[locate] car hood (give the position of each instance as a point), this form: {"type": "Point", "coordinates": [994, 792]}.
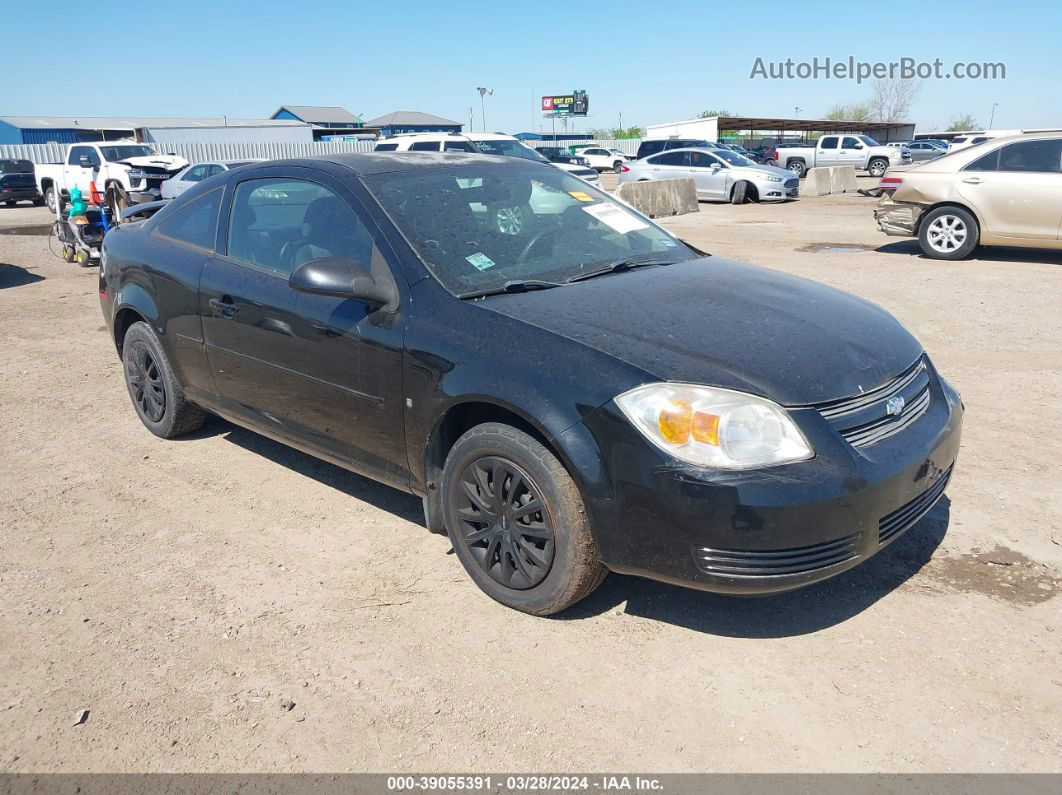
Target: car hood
{"type": "Point", "coordinates": [168, 162]}
{"type": "Point", "coordinates": [722, 323]}
{"type": "Point", "coordinates": [772, 170]}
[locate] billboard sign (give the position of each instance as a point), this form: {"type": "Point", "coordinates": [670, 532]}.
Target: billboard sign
{"type": "Point", "coordinates": [576, 103]}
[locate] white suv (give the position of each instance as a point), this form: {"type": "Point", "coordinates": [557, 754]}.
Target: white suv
{"type": "Point", "coordinates": [507, 146]}
{"type": "Point", "coordinates": [425, 142]}
{"type": "Point", "coordinates": [604, 158]}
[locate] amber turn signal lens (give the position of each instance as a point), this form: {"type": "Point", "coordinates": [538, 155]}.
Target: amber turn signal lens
{"type": "Point", "coordinates": [675, 422]}
{"type": "Point", "coordinates": [706, 428]}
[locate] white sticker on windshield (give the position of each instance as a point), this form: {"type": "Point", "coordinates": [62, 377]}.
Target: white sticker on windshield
{"type": "Point", "coordinates": [616, 217]}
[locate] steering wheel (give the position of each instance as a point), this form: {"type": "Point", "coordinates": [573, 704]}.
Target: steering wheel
{"type": "Point", "coordinates": [534, 241]}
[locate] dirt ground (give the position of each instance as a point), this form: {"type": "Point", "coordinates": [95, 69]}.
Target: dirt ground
{"type": "Point", "coordinates": [180, 591]}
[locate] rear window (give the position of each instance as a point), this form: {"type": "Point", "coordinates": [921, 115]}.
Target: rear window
{"type": "Point", "coordinates": [386, 147]}
{"type": "Point", "coordinates": [424, 146]}
{"type": "Point", "coordinates": [16, 167]}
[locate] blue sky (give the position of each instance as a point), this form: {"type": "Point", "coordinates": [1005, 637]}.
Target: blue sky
{"type": "Point", "coordinates": [640, 59]}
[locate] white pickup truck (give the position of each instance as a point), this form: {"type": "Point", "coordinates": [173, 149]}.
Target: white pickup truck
{"type": "Point", "coordinates": [860, 151]}
{"type": "Point", "coordinates": [125, 172]}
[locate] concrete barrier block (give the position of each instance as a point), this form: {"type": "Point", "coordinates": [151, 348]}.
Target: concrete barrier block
{"type": "Point", "coordinates": [842, 179]}
{"type": "Point", "coordinates": [660, 198]}
{"type": "Point", "coordinates": [817, 182]}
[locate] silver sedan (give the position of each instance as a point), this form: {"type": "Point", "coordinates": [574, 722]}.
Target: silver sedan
{"type": "Point", "coordinates": [717, 174]}
{"type": "Point", "coordinates": [183, 180]}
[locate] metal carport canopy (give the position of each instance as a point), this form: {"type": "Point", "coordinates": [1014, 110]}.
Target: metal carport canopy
{"type": "Point", "coordinates": [805, 125]}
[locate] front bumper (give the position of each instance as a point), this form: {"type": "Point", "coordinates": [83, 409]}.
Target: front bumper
{"type": "Point", "coordinates": [769, 530]}
{"type": "Point", "coordinates": [778, 191]}
{"type": "Point", "coordinates": [899, 219]}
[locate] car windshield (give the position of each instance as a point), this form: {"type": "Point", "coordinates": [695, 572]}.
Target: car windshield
{"type": "Point", "coordinates": [867, 140]}
{"type": "Point", "coordinates": [115, 153]}
{"type": "Point", "coordinates": [478, 227]}
{"type": "Point", "coordinates": [510, 149]}
{"type": "Point", "coordinates": [733, 158]}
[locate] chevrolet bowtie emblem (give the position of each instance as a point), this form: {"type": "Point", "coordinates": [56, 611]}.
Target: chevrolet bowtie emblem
{"type": "Point", "coordinates": [894, 405]}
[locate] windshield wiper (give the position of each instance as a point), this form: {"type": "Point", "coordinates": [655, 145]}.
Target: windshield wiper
{"type": "Point", "coordinates": [618, 266]}
{"type": "Point", "coordinates": [513, 286]}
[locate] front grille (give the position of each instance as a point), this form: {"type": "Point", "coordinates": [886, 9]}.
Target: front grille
{"type": "Point", "coordinates": [903, 518]}
{"type": "Point", "coordinates": [773, 562]}
{"type": "Point", "coordinates": [792, 183]}
{"type": "Point", "coordinates": [882, 412]}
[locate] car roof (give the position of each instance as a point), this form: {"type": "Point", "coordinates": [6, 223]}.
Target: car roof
{"type": "Point", "coordinates": [368, 163]}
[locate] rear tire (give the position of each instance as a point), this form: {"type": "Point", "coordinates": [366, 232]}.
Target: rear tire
{"type": "Point", "coordinates": [798, 167]}
{"type": "Point", "coordinates": [618, 166]}
{"type": "Point", "coordinates": [69, 254]}
{"type": "Point", "coordinates": [10, 204]}
{"type": "Point", "coordinates": [537, 561]}
{"type": "Point", "coordinates": [157, 398]}
{"type": "Point", "coordinates": [948, 233]}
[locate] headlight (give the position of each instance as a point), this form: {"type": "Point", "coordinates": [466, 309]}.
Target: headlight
{"type": "Point", "coordinates": [713, 427]}
{"type": "Point", "coordinates": [772, 178]}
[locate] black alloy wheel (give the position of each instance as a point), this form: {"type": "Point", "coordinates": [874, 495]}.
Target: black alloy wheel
{"type": "Point", "coordinates": [146, 383]}
{"type": "Point", "coordinates": [504, 523]}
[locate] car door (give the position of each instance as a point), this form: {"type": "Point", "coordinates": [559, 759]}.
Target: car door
{"type": "Point", "coordinates": [710, 176]}
{"type": "Point", "coordinates": [668, 165]}
{"type": "Point", "coordinates": [853, 152]}
{"type": "Point", "coordinates": [828, 149]}
{"type": "Point", "coordinates": [82, 165]}
{"type": "Point", "coordinates": [1017, 189]}
{"type": "Point", "coordinates": [319, 370]}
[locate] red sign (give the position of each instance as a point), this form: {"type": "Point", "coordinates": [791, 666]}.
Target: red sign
{"type": "Point", "coordinates": [547, 103]}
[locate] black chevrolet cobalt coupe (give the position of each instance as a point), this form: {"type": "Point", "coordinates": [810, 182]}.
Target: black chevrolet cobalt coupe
{"type": "Point", "coordinates": [569, 388]}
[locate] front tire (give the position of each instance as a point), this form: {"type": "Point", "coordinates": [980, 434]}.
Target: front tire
{"type": "Point", "coordinates": [517, 521]}
{"type": "Point", "coordinates": [50, 198]}
{"type": "Point", "coordinates": [738, 192]}
{"type": "Point", "coordinates": [949, 233]}
{"type": "Point", "coordinates": [878, 167]}
{"type": "Point", "coordinates": [157, 397]}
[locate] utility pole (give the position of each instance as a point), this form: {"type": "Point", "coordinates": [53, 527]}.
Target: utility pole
{"type": "Point", "coordinates": [470, 127]}
{"type": "Point", "coordinates": [992, 120]}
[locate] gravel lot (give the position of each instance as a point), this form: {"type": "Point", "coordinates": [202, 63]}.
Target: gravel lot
{"type": "Point", "coordinates": [180, 591]}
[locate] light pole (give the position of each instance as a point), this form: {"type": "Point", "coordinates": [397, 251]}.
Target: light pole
{"type": "Point", "coordinates": [993, 118]}
{"type": "Point", "coordinates": [796, 112]}
{"type": "Point", "coordinates": [482, 106]}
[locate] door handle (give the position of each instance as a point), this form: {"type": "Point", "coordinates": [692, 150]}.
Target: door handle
{"type": "Point", "coordinates": [223, 307]}
{"type": "Point", "coordinates": [973, 180]}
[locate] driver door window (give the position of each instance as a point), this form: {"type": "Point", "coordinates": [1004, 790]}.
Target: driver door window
{"type": "Point", "coordinates": [279, 224]}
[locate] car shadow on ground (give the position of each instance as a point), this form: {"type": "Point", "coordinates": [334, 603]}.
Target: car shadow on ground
{"type": "Point", "coordinates": [16, 276]}
{"type": "Point", "coordinates": [795, 613]}
{"type": "Point", "coordinates": [984, 253]}
{"type": "Point", "coordinates": [404, 506]}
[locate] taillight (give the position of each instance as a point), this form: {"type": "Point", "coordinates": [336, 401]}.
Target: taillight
{"type": "Point", "coordinates": [624, 169]}
{"type": "Point", "coordinates": [890, 183]}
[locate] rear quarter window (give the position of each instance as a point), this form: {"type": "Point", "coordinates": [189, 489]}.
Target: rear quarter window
{"type": "Point", "coordinates": [195, 223]}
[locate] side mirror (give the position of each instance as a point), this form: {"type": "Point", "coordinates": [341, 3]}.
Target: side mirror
{"type": "Point", "coordinates": [84, 161]}
{"type": "Point", "coordinates": [341, 277]}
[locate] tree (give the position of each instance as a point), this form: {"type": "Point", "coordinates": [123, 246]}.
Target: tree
{"type": "Point", "coordinates": [625, 132]}
{"type": "Point", "coordinates": [857, 111]}
{"type": "Point", "coordinates": [962, 123]}
{"type": "Point", "coordinates": [892, 99]}
{"type": "Point", "coordinates": [707, 114]}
